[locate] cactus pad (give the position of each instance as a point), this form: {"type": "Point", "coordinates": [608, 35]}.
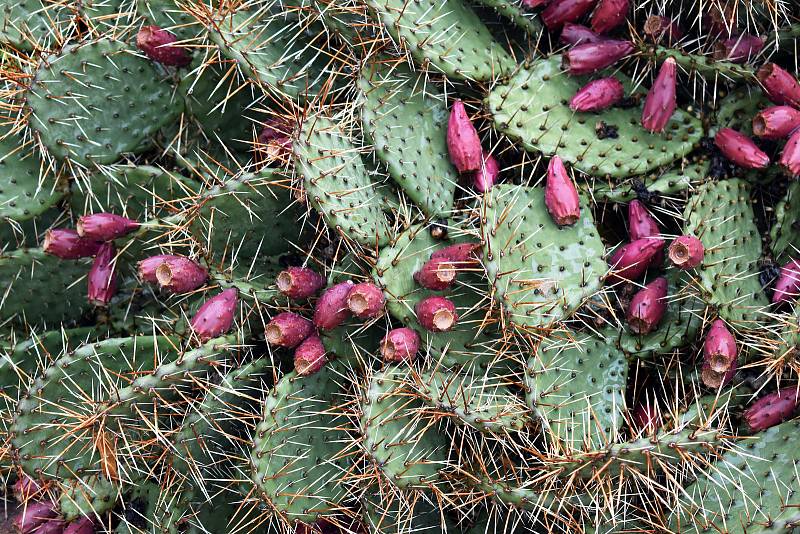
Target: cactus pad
{"type": "Point", "coordinates": [23, 194]}
{"type": "Point", "coordinates": [738, 109]}
{"type": "Point", "coordinates": [784, 234]}
{"type": "Point", "coordinates": [168, 15]}
{"type": "Point", "coordinates": [30, 23]}
{"type": "Point", "coordinates": [90, 496]}
{"type": "Point", "coordinates": [673, 183]}
{"type": "Point", "coordinates": [516, 12]}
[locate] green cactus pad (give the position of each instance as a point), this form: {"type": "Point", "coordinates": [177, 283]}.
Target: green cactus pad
{"type": "Point", "coordinates": [298, 456]}
{"type": "Point", "coordinates": [516, 12]}
{"type": "Point", "coordinates": [42, 288]}
{"type": "Point", "coordinates": [394, 273]}
{"type": "Point", "coordinates": [541, 272]}
{"type": "Point", "coordinates": [26, 190]}
{"type": "Point", "coordinates": [90, 496]}
{"type": "Point", "coordinates": [32, 23]}
{"type": "Point", "coordinates": [532, 107]}
{"type": "Point", "coordinates": [752, 488]}
{"type": "Point", "coordinates": [338, 183]}
{"type": "Point", "coordinates": [406, 117]}
{"type": "Point", "coordinates": [721, 216]}
{"type": "Point", "coordinates": [408, 449]}
{"type": "Point", "coordinates": [168, 15]}
{"type": "Point", "coordinates": [576, 384]}
{"type": "Point", "coordinates": [738, 109]}
{"type": "Point", "coordinates": [139, 509]}
{"type": "Point", "coordinates": [673, 183]}
{"type": "Point", "coordinates": [97, 100]}
{"type": "Point", "coordinates": [445, 34]}
{"type": "Point", "coordinates": [706, 66]}
{"type": "Point", "coordinates": [399, 516]}
{"type": "Point", "coordinates": [785, 237]}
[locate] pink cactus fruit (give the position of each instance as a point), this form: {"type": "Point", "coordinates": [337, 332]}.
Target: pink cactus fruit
{"type": "Point", "coordinates": [461, 253]}
{"type": "Point", "coordinates": [779, 86]}
{"type": "Point", "coordinates": [657, 28]}
{"type": "Point", "coordinates": [105, 226]}
{"type": "Point", "coordinates": [598, 95]}
{"type": "Point", "coordinates": [309, 356]}
{"type": "Point", "coordinates": [157, 44]}
{"type": "Point", "coordinates": [648, 306]}
{"type": "Point", "coordinates": [103, 276]}
{"type": "Point", "coordinates": [463, 142]}
{"type": "Point", "coordinates": [787, 287]}
{"type": "Point", "coordinates": [559, 12]}
{"type": "Point", "coordinates": [686, 252]}
{"type": "Point", "coordinates": [437, 274]}
{"type": "Point", "coordinates": [790, 156]}
{"type": "Point", "coordinates": [719, 348]}
{"type": "Point", "coordinates": [660, 103]}
{"type": "Point", "coordinates": [776, 122]}
{"type": "Point", "coordinates": [26, 489]}
{"type": "Point", "coordinates": [146, 268]}
{"type": "Point", "coordinates": [535, 3]}
{"type": "Point", "coordinates": [739, 49]}
{"type": "Point", "coordinates": [178, 274]}
{"type": "Point", "coordinates": [275, 139]}
{"type": "Point", "coordinates": [215, 316]}
{"type": "Point", "coordinates": [772, 409]}
{"type": "Point", "coordinates": [609, 14]}
{"type": "Point", "coordinates": [436, 314]}
{"type": "Point", "coordinates": [740, 149]}
{"type": "Point", "coordinates": [34, 518]}
{"type": "Point", "coordinates": [366, 300]}
{"type": "Point", "coordinates": [299, 282]}
{"type": "Point", "coordinates": [560, 194]}
{"type": "Point", "coordinates": [400, 344]}
{"type": "Point", "coordinates": [287, 330]}
{"type": "Point", "coordinates": [83, 525]}
{"type": "Point", "coordinates": [642, 224]}
{"type": "Point", "coordinates": [332, 309]}
{"type": "Point", "coordinates": [630, 261]}
{"type": "Point", "coordinates": [590, 57]}
{"type": "Point", "coordinates": [484, 178]}
{"type": "Point", "coordinates": [647, 418]}
{"type": "Point", "coordinates": [69, 245]}
{"type": "Point", "coordinates": [575, 34]}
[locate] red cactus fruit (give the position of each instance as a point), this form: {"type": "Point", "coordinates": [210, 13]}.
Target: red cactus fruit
{"type": "Point", "coordinates": [787, 287]}
{"type": "Point", "coordinates": [178, 274]}
{"type": "Point", "coordinates": [460, 253]}
{"type": "Point", "coordinates": [598, 95]}
{"type": "Point", "coordinates": [437, 274]}
{"type": "Point", "coordinates": [26, 489]}
{"type": "Point", "coordinates": [436, 314]}
{"type": "Point", "coordinates": [105, 226]}
{"type": "Point", "coordinates": [287, 330]}
{"type": "Point", "coordinates": [463, 142]}
{"type": "Point", "coordinates": [275, 138]}
{"type": "Point", "coordinates": [157, 44]}
{"type": "Point", "coordinates": [660, 103]}
{"type": "Point", "coordinates": [560, 194]}
{"type": "Point", "coordinates": [299, 282]}
{"type": "Point", "coordinates": [365, 300]}
{"type": "Point", "coordinates": [535, 3]}
{"type": "Point", "coordinates": [83, 525]}
{"type": "Point", "coordinates": [69, 245]}
{"type": "Point", "coordinates": [686, 252]}
{"type": "Point", "coordinates": [648, 306]}
{"type": "Point", "coordinates": [719, 348]}
{"type": "Point", "coordinates": [609, 14]}
{"type": "Point", "coordinates": [146, 268]}
{"type": "Point", "coordinates": [657, 28]}
{"type": "Point", "coordinates": [309, 356]}
{"type": "Point", "coordinates": [400, 344]}
{"type": "Point", "coordinates": [740, 149]}
{"type": "Point", "coordinates": [640, 223]}
{"type": "Point", "coordinates": [739, 49]}
{"type": "Point", "coordinates": [103, 276]}
{"type": "Point", "coordinates": [630, 261]}
{"type": "Point", "coordinates": [790, 157]}
{"type": "Point", "coordinates": [575, 34]}
{"type": "Point", "coordinates": [779, 86]}
{"type": "Point", "coordinates": [772, 409]}
{"type": "Point", "coordinates": [560, 12]}
{"type": "Point", "coordinates": [776, 122]}
{"type": "Point", "coordinates": [34, 518]}
{"type": "Point", "coordinates": [591, 57]}
{"type": "Point", "coordinates": [215, 316]}
{"type": "Point", "coordinates": [647, 418]}
{"type": "Point", "coordinates": [484, 178]}
{"type": "Point", "coordinates": [719, 20]}
{"type": "Point", "coordinates": [717, 380]}
{"type": "Point", "coordinates": [332, 309]}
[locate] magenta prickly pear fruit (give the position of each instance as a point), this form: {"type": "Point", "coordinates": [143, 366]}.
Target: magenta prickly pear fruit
{"type": "Point", "coordinates": [69, 245]}
{"type": "Point", "coordinates": [717, 380]}
{"type": "Point", "coordinates": [288, 330]}
{"type": "Point", "coordinates": [776, 122]}
{"type": "Point", "coordinates": [657, 28]}
{"type": "Point", "coordinates": [146, 268]}
{"type": "Point", "coordinates": [640, 223]}
{"type": "Point", "coordinates": [157, 44]}
{"type": "Point", "coordinates": [463, 142]}
{"type": "Point", "coordinates": [772, 409]}
{"type": "Point", "coordinates": [560, 194]}
{"type": "Point", "coordinates": [179, 274]}
{"type": "Point", "coordinates": [437, 274]}
{"type": "Point", "coordinates": [609, 14]}
{"type": "Point", "coordinates": [719, 348]}
{"type": "Point", "coordinates": [34, 518]}
{"type": "Point", "coordinates": [787, 287]}
{"type": "Point", "coordinates": [215, 316]}
{"type": "Point", "coordinates": [535, 3]}
{"type": "Point", "coordinates": [739, 49]}
{"type": "Point", "coordinates": [332, 309]}
{"type": "Point", "coordinates": [598, 95]}
{"type": "Point", "coordinates": [84, 525]}
{"type": "Point", "coordinates": [740, 149]}
{"type": "Point", "coordinates": [299, 282]}
{"type": "Point", "coordinates": [436, 314]}
{"type": "Point", "coordinates": [309, 356]}
{"type": "Point", "coordinates": [458, 254]}
{"type": "Point", "coordinates": [365, 300]}
{"type": "Point", "coordinates": [779, 86]}
{"type": "Point", "coordinates": [103, 276]}
{"type": "Point", "coordinates": [660, 103]}
{"type": "Point", "coordinates": [275, 139]}
{"type": "Point", "coordinates": [790, 157]}
{"type": "Point", "coordinates": [686, 252]}
{"type": "Point", "coordinates": [647, 418]}
{"type": "Point", "coordinates": [575, 34]}
{"type": "Point", "coordinates": [648, 306]}
{"type": "Point", "coordinates": [105, 226]}
{"type": "Point", "coordinates": [484, 178]}
{"type": "Point", "coordinates": [631, 261]}
{"type": "Point", "coordinates": [559, 12]}
{"type": "Point", "coordinates": [26, 488]}
{"type": "Point", "coordinates": [591, 57]}
{"type": "Point", "coordinates": [400, 344]}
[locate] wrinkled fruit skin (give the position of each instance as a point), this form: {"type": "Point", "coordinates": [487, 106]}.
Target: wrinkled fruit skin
{"type": "Point", "coordinates": [105, 226]}
{"type": "Point", "coordinates": [103, 276]}
{"type": "Point", "coordinates": [299, 282]}
{"type": "Point", "coordinates": [400, 344]}
{"type": "Point", "coordinates": [787, 287]}
{"type": "Point", "coordinates": [460, 253]}
{"type": "Point", "coordinates": [287, 330]}
{"type": "Point", "coordinates": [178, 274]}
{"type": "Point", "coordinates": [591, 57]}
{"type": "Point", "coordinates": [365, 300]}
{"type": "Point", "coordinates": [660, 103]}
{"type": "Point", "coordinates": [484, 178]}
{"type": "Point", "coordinates": [719, 348]}
{"type": "Point", "coordinates": [437, 274]}
{"type": "Point", "coordinates": [275, 138]}
{"type": "Point", "coordinates": [597, 95]}
{"type": "Point", "coordinates": [69, 245]}
{"type": "Point", "coordinates": [560, 12]}
{"type": "Point", "coordinates": [609, 14]}
{"type": "Point", "coordinates": [779, 86]}
{"type": "Point", "coordinates": [560, 195]}
{"type": "Point", "coordinates": [332, 309]}
{"type": "Point", "coordinates": [648, 306]}
{"type": "Point", "coordinates": [790, 157]}
{"type": "Point", "coordinates": [739, 49]}
{"type": "Point", "coordinates": [215, 316]}
{"type": "Point", "coordinates": [463, 142]}
{"type": "Point", "coordinates": [776, 122]}
{"type": "Point", "coordinates": [631, 261]}
{"type": "Point", "coordinates": [309, 356]}
{"type": "Point", "coordinates": [658, 28]}
{"type": "Point", "coordinates": [686, 252]}
{"type": "Point", "coordinates": [574, 34]}
{"type": "Point", "coordinates": [771, 409]}
{"type": "Point", "coordinates": [157, 45]}
{"type": "Point", "coordinates": [740, 149]}
{"type": "Point", "coordinates": [436, 314]}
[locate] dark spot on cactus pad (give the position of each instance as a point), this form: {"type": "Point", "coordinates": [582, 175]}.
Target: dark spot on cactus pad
{"type": "Point", "coordinates": [604, 130]}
